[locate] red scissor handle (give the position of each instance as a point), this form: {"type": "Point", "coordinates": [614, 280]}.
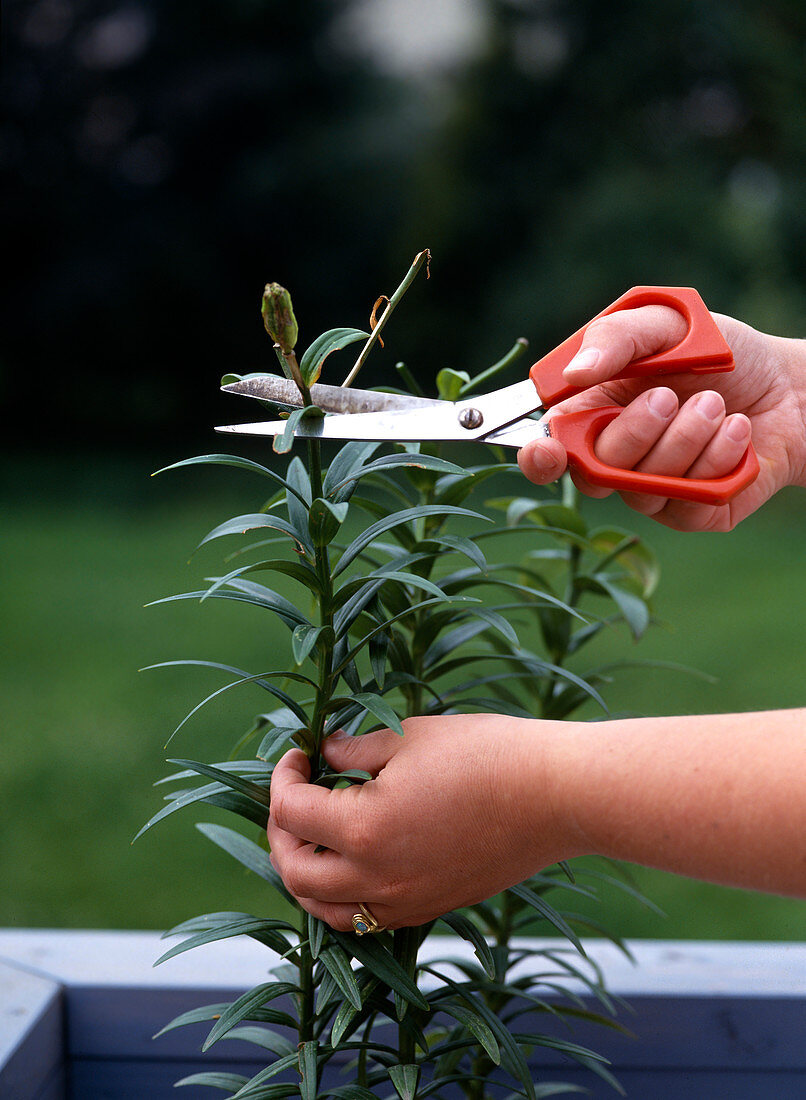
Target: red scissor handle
{"type": "Point", "coordinates": [578, 432]}
{"type": "Point", "coordinates": [701, 351]}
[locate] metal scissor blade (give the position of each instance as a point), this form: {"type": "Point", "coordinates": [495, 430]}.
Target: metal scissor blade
{"type": "Point", "coordinates": [336, 399]}
{"type": "Point", "coordinates": [394, 425]}
{"type": "Point", "coordinates": [440, 423]}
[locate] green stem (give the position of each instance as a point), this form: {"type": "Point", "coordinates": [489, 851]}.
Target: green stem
{"type": "Point", "coordinates": [322, 564]}
{"type": "Point", "coordinates": [512, 356]}
{"type": "Point", "coordinates": [290, 368]}
{"type": "Point", "coordinates": [559, 654]}
{"type": "Point", "coordinates": [420, 259]}
{"type": "Point", "coordinates": [306, 1008]}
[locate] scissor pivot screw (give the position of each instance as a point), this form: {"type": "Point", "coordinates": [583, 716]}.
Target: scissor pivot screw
{"type": "Point", "coordinates": [471, 418]}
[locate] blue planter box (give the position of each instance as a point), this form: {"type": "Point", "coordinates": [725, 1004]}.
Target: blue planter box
{"type": "Point", "coordinates": [78, 1011]}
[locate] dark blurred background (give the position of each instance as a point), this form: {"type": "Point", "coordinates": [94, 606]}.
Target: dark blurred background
{"type": "Point", "coordinates": [163, 160]}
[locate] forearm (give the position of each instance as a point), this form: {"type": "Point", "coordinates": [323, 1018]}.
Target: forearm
{"type": "Point", "coordinates": [717, 797]}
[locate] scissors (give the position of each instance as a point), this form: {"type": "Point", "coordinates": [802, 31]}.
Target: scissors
{"type": "Point", "coordinates": [506, 416]}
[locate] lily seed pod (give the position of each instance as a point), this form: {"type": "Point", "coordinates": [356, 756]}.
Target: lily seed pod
{"type": "Point", "coordinates": [278, 317]}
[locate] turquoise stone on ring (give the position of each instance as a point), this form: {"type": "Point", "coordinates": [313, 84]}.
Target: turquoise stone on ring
{"type": "Point", "coordinates": [363, 922]}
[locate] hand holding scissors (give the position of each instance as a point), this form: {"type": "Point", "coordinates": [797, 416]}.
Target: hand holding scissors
{"type": "Point", "coordinates": [506, 416]}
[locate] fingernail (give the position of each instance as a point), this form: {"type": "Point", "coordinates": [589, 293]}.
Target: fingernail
{"type": "Point", "coordinates": [338, 735]}
{"type": "Point", "coordinates": [738, 428]}
{"type": "Point", "coordinates": [583, 360]}
{"type": "Point", "coordinates": [663, 403]}
{"type": "Point", "coordinates": [710, 404]}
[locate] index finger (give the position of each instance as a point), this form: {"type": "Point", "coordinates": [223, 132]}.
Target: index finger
{"type": "Point", "coordinates": [309, 812]}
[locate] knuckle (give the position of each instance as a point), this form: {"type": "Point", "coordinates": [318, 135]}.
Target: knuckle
{"type": "Point", "coordinates": [396, 892]}
{"type": "Point", "coordinates": [645, 503]}
{"type": "Point", "coordinates": [613, 332]}
{"type": "Point", "coordinates": [362, 836]}
{"type": "Point", "coordinates": [295, 881]}
{"type": "Point", "coordinates": [279, 810]}
{"type": "Point", "coordinates": [334, 917]}
{"type": "Point", "coordinates": [635, 434]}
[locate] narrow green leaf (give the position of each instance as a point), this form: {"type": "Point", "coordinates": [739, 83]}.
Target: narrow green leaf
{"type": "Point", "coordinates": [244, 768]}
{"type": "Point", "coordinates": [211, 793]}
{"type": "Point", "coordinates": [633, 608]}
{"type": "Point", "coordinates": [283, 442]}
{"type": "Point", "coordinates": [405, 1079]}
{"type": "Point", "coordinates": [347, 1013]}
{"type": "Point", "coordinates": [245, 592]}
{"type": "Point", "coordinates": [203, 922]}
{"type": "Point", "coordinates": [330, 779]}
{"type": "Point", "coordinates": [380, 708]}
{"type": "Point", "coordinates": [299, 502]}
{"type": "Point", "coordinates": [378, 655]}
{"type": "Point", "coordinates": [244, 1006]}
{"type": "Point", "coordinates": [309, 1069]}
{"type": "Point", "coordinates": [245, 851]}
{"type": "Point", "coordinates": [194, 1016]}
{"type": "Point", "coordinates": [351, 1092]}
{"type": "Point", "coordinates": [497, 622]}
{"type": "Point", "coordinates": [412, 579]}
{"type": "Point", "coordinates": [391, 462]}
{"type": "Point", "coordinates": [265, 931]}
{"type": "Point", "coordinates": [629, 551]}
{"type": "Point", "coordinates": [251, 521]}
{"type": "Point", "coordinates": [244, 786]}
{"type": "Point", "coordinates": [405, 948]}
{"type": "Point", "coordinates": [468, 931]}
{"type": "Point", "coordinates": [298, 570]}
{"type": "Point", "coordinates": [264, 1038]}
{"type": "Point", "coordinates": [226, 460]}
{"type": "Point", "coordinates": [464, 546]}
{"type": "Point", "coordinates": [343, 661]}
{"type": "Point", "coordinates": [448, 643]}
{"type": "Point", "coordinates": [325, 519]}
{"type": "Point", "coordinates": [316, 935]}
{"type": "Point", "coordinates": [278, 738]}
{"type": "Point", "coordinates": [215, 1079]}
{"type": "Point", "coordinates": [373, 955]}
{"type": "Point", "coordinates": [277, 1090]}
{"type": "Point", "coordinates": [334, 339]}
{"type": "Point", "coordinates": [474, 1022]}
{"type": "Point", "coordinates": [512, 1056]}
{"type": "Point", "coordinates": [396, 520]}
{"type": "Point", "coordinates": [305, 637]}
{"type": "Point", "coordinates": [561, 520]}
{"type": "Point", "coordinates": [260, 680]}
{"type": "Point", "coordinates": [549, 913]}
{"type": "Point", "coordinates": [350, 458]}
{"type": "Point", "coordinates": [450, 383]}
{"type": "Point", "coordinates": [239, 804]}
{"type": "Point", "coordinates": [287, 701]}
{"type": "Point", "coordinates": [337, 962]}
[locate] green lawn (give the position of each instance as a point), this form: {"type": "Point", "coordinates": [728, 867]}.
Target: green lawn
{"type": "Point", "coordinates": [87, 544]}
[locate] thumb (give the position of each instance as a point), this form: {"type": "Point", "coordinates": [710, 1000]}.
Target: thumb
{"type": "Point", "coordinates": [611, 342]}
{"type": "Point", "coordinates": [370, 751]}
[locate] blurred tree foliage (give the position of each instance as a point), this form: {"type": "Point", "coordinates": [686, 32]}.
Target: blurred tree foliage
{"type": "Point", "coordinates": [164, 159]}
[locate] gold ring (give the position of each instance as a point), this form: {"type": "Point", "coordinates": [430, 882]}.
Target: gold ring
{"type": "Point", "coordinates": [364, 922]}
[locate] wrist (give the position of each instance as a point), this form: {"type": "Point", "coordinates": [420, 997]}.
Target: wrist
{"type": "Point", "coordinates": [792, 359]}
{"type": "Point", "coordinates": [564, 757]}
